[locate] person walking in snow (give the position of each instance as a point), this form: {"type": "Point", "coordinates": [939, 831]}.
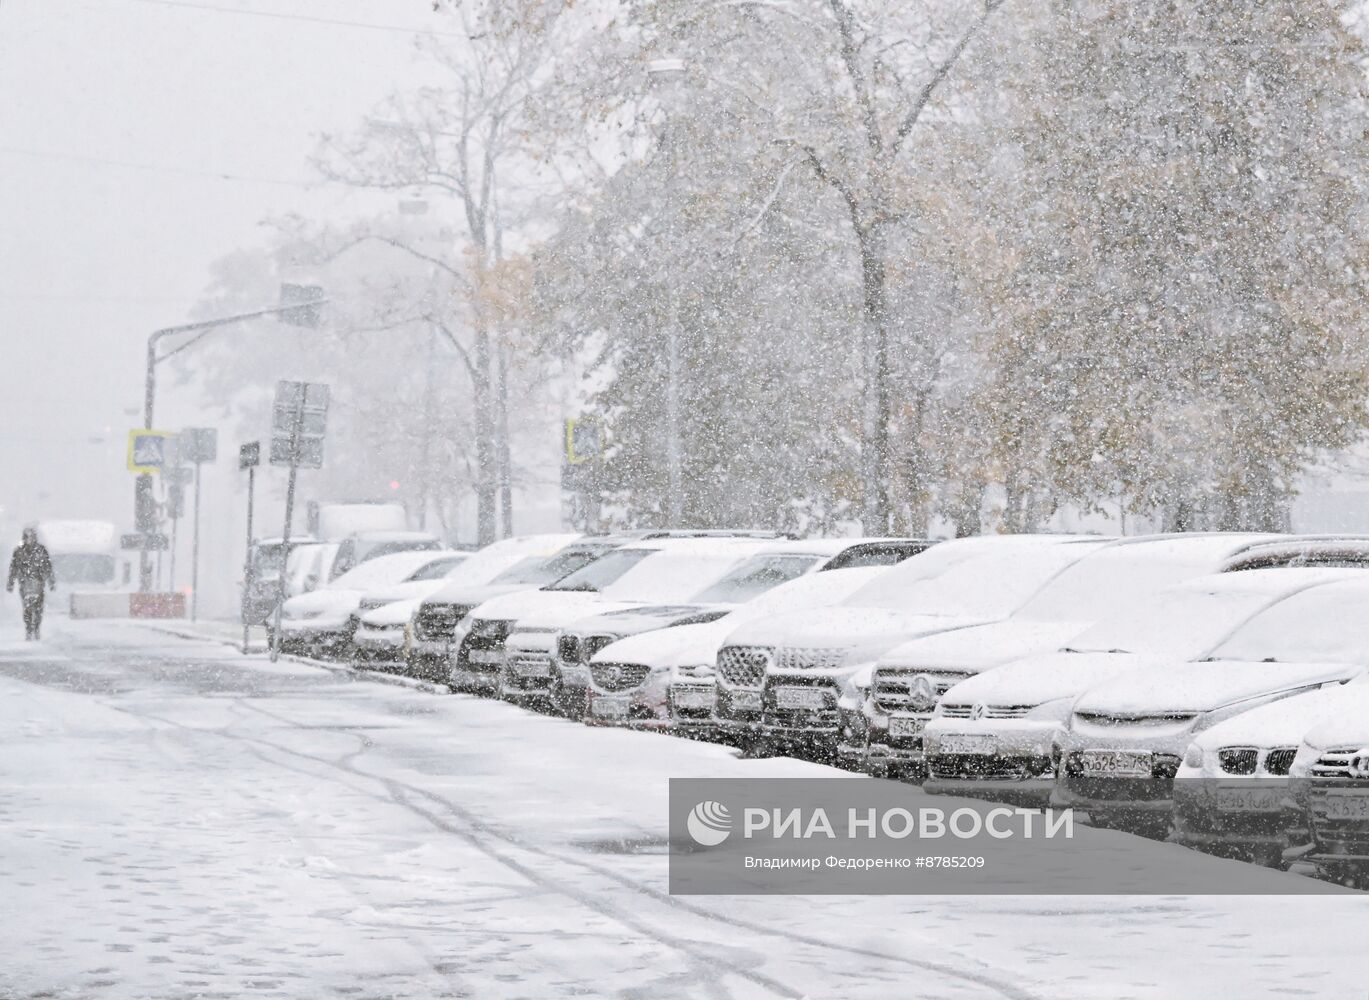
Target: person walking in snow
{"type": "Point", "coordinates": [31, 568]}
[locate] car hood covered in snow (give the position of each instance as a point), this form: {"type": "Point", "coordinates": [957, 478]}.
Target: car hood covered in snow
{"type": "Point", "coordinates": [1204, 686]}
{"type": "Point", "coordinates": [982, 646]}
{"type": "Point", "coordinates": [647, 618]}
{"type": "Point", "coordinates": [394, 613]}
{"type": "Point", "coordinates": [680, 646]}
{"type": "Point", "coordinates": [414, 590]}
{"type": "Point", "coordinates": [1285, 722]}
{"type": "Point", "coordinates": [1035, 680]}
{"type": "Point", "coordinates": [860, 630]}
{"type": "Point", "coordinates": [325, 601]}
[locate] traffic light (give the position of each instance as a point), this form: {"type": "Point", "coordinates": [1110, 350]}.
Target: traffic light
{"type": "Point", "coordinates": [144, 506]}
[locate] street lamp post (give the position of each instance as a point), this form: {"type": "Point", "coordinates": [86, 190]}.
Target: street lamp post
{"type": "Point", "coordinates": [666, 75]}
{"type": "Point", "coordinates": [299, 307]}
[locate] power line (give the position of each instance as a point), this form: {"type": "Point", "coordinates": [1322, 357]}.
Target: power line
{"type": "Point", "coordinates": [47, 154]}
{"type": "Point", "coordinates": [308, 18]}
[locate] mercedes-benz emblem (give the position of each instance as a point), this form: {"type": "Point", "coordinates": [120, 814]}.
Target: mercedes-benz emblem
{"type": "Point", "coordinates": [921, 694]}
{"type": "Point", "coordinates": [1359, 765]}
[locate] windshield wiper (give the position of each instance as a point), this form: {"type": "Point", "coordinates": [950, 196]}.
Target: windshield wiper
{"type": "Point", "coordinates": [1071, 649]}
{"type": "Point", "coordinates": [583, 588]}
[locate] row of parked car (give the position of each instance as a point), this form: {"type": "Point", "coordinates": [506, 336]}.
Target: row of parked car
{"type": "Point", "coordinates": [1205, 687]}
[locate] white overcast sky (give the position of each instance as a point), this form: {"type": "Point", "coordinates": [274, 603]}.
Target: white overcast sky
{"type": "Point", "coordinates": [139, 141]}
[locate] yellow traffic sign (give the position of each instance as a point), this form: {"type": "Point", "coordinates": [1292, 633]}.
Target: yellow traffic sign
{"type": "Point", "coordinates": [584, 440]}
{"type": "Point", "coordinates": [147, 450]}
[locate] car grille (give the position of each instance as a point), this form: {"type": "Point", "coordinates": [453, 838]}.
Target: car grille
{"type": "Point", "coordinates": [527, 671]}
{"type": "Point", "coordinates": [901, 689]}
{"type": "Point", "coordinates": [1280, 762]}
{"type": "Point", "coordinates": [568, 647]}
{"type": "Point", "coordinates": [491, 635]}
{"type": "Point", "coordinates": [1334, 763]}
{"type": "Point", "coordinates": [987, 711]}
{"type": "Point", "coordinates": [987, 767]}
{"type": "Point", "coordinates": [618, 676]}
{"type": "Point", "coordinates": [800, 658]}
{"type": "Point", "coordinates": [437, 622]}
{"type": "Point", "coordinates": [743, 666]}
{"type": "Point", "coordinates": [1238, 760]}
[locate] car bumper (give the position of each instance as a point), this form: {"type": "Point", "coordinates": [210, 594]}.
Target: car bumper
{"type": "Point", "coordinates": [379, 645]}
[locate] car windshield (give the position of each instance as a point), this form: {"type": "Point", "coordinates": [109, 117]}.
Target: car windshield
{"type": "Point", "coordinates": [268, 559]}
{"type": "Point", "coordinates": [602, 571]}
{"type": "Point", "coordinates": [437, 569]}
{"type": "Point", "coordinates": [1182, 622]}
{"type": "Point", "coordinates": [376, 549]}
{"type": "Point", "coordinates": [535, 571]}
{"type": "Point", "coordinates": [754, 577]}
{"type": "Point", "coordinates": [875, 554]}
{"type": "Point", "coordinates": [968, 579]}
{"type": "Point", "coordinates": [1325, 624]}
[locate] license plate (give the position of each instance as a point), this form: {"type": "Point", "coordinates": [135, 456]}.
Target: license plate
{"type": "Point", "coordinates": [1346, 805]}
{"type": "Point", "coordinates": [967, 743]}
{"type": "Point", "coordinates": [693, 698]}
{"type": "Point", "coordinates": [532, 668]}
{"type": "Point", "coordinates": [485, 656]}
{"type": "Point", "coordinates": [1116, 763]}
{"type": "Point", "coordinates": [1249, 799]}
{"type": "Point", "coordinates": [609, 708]}
{"type": "Point", "coordinates": [901, 727]}
{"type": "Point", "coordinates": [799, 697]}
{"type": "Point", "coordinates": [747, 701]}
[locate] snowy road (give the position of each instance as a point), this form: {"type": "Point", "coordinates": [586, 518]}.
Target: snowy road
{"type": "Point", "coordinates": [178, 821]}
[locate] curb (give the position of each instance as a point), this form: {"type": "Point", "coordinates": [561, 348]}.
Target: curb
{"type": "Point", "coordinates": [356, 673]}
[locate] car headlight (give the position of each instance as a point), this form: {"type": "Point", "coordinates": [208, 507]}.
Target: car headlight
{"type": "Point", "coordinates": [488, 628]}
{"type": "Point", "coordinates": [1193, 756]}
{"type": "Point", "coordinates": [701, 671]}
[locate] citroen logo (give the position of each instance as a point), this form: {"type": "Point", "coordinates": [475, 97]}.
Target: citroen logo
{"type": "Point", "coordinates": [1359, 765]}
{"type": "Point", "coordinates": [921, 694]}
{"type": "Point", "coordinates": [977, 712]}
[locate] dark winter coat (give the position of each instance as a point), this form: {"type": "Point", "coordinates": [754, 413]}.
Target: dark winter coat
{"type": "Point", "coordinates": [31, 567]}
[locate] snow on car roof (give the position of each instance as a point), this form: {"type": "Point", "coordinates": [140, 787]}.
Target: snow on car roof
{"type": "Point", "coordinates": [483, 565]}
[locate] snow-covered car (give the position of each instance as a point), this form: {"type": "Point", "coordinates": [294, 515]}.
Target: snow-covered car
{"type": "Point", "coordinates": [663, 571]}
{"type": "Point", "coordinates": [439, 640]}
{"type": "Point", "coordinates": [266, 561]}
{"type": "Point", "coordinates": [1127, 735]}
{"type": "Point", "coordinates": [997, 735]}
{"type": "Point", "coordinates": [365, 545]}
{"type": "Point", "coordinates": [625, 687]}
{"type": "Point", "coordinates": [421, 607]}
{"type": "Point", "coordinates": [309, 565]}
{"type": "Point", "coordinates": [380, 620]}
{"type": "Point", "coordinates": [1329, 783]}
{"type": "Point", "coordinates": [884, 726]}
{"type": "Point", "coordinates": [779, 677]}
{"type": "Point", "coordinates": [1231, 794]}
{"type": "Point", "coordinates": [321, 620]}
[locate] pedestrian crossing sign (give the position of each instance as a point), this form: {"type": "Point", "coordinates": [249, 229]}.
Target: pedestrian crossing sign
{"type": "Point", "coordinates": [147, 450]}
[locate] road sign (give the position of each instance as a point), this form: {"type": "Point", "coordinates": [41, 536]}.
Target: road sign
{"type": "Point", "coordinates": [584, 440]}
{"type": "Point", "coordinates": [177, 475]}
{"type": "Point", "coordinates": [147, 450]}
{"type": "Point", "coordinates": [298, 422]}
{"type": "Point", "coordinates": [143, 543]}
{"type": "Point", "coordinates": [199, 444]}
{"type": "Point", "coordinates": [249, 455]}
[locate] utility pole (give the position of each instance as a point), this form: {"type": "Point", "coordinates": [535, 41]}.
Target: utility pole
{"type": "Point", "coordinates": [667, 74]}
